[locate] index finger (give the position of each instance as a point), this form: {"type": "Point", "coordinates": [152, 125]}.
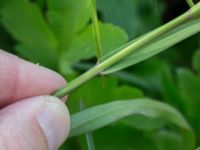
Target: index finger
{"type": "Point", "coordinates": [20, 79]}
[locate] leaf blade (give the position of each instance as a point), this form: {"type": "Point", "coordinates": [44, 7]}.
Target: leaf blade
{"type": "Point", "coordinates": [160, 44]}
{"type": "Point", "coordinates": [25, 22]}
{"type": "Point", "coordinates": [102, 115]}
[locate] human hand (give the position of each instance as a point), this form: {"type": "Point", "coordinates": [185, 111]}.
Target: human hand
{"type": "Point", "coordinates": [28, 120]}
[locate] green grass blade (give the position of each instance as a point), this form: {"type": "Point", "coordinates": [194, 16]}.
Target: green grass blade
{"type": "Point", "coordinates": [102, 115]}
{"type": "Point", "coordinates": [160, 44]}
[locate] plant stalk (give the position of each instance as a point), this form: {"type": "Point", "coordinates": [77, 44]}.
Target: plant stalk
{"type": "Point", "coordinates": [96, 30]}
{"type": "Point", "coordinates": [88, 135]}
{"type": "Point", "coordinates": [190, 3]}
{"type": "Point", "coordinates": [190, 14]}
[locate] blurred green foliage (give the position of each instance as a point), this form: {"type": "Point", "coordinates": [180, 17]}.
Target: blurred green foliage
{"type": "Point", "coordinates": [57, 34]}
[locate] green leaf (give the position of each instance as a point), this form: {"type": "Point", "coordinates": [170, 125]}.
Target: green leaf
{"type": "Point", "coordinates": [67, 18]}
{"type": "Point", "coordinates": [111, 38]}
{"type": "Point", "coordinates": [151, 78]}
{"type": "Point", "coordinates": [40, 3]}
{"type": "Point", "coordinates": [170, 90]}
{"type": "Point", "coordinates": [160, 44]}
{"type": "Point", "coordinates": [167, 140]}
{"type": "Point", "coordinates": [102, 115]}
{"type": "Point", "coordinates": [24, 21]}
{"type": "Point", "coordinates": [135, 17]}
{"type": "Point", "coordinates": [6, 41]}
{"type": "Point", "coordinates": [189, 85]}
{"type": "Point", "coordinates": [196, 61]}
{"type": "Point", "coordinates": [106, 90]}
{"type": "Point", "coordinates": [122, 137]}
{"type": "Point", "coordinates": [144, 123]}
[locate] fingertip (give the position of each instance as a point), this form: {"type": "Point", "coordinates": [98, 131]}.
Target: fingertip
{"type": "Point", "coordinates": [54, 121]}
{"type": "Point", "coordinates": [40, 123]}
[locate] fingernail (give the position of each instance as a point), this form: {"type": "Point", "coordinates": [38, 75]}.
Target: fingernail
{"type": "Point", "coordinates": [54, 122]}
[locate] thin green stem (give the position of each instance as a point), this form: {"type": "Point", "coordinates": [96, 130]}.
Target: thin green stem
{"type": "Point", "coordinates": [192, 13]}
{"type": "Point", "coordinates": [90, 141]}
{"type": "Point", "coordinates": [190, 3]}
{"type": "Point", "coordinates": [88, 135]}
{"type": "Point", "coordinates": [95, 27]}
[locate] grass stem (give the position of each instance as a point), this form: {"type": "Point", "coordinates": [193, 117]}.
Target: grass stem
{"type": "Point", "coordinates": [190, 3]}
{"type": "Point", "coordinates": [192, 13]}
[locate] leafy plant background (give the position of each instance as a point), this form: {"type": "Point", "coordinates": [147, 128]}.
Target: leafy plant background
{"type": "Point", "coordinates": [58, 34]}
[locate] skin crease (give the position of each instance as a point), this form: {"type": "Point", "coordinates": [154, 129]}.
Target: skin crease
{"type": "Point", "coordinates": [24, 97]}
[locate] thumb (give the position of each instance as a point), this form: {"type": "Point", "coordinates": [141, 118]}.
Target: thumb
{"type": "Point", "coordinates": [37, 123]}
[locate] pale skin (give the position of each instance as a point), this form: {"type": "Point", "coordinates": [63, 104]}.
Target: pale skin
{"type": "Point", "coordinates": [29, 118]}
